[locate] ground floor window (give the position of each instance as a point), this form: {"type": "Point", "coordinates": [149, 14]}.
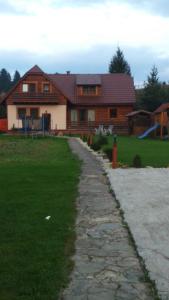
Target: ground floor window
{"type": "Point", "coordinates": [113, 113]}
{"type": "Point", "coordinates": [91, 115]}
{"type": "Point", "coordinates": [73, 115]}
{"type": "Point", "coordinates": [23, 112]}
{"type": "Point", "coordinates": [82, 115]}
{"type": "Point", "coordinates": [34, 113]}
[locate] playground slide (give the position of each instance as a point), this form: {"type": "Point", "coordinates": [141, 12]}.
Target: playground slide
{"type": "Point", "coordinates": [146, 133]}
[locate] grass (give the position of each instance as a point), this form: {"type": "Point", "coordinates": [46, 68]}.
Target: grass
{"type": "Point", "coordinates": [38, 178]}
{"type": "Point", "coordinates": [153, 152]}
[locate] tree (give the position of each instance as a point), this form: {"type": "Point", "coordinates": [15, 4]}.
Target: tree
{"type": "Point", "coordinates": [118, 63]}
{"type": "Point", "coordinates": [16, 77]}
{"type": "Point", "coordinates": [152, 95]}
{"type": "Point", "coordinates": [5, 81]}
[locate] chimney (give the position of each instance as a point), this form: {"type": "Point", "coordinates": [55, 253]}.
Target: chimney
{"type": "Point", "coordinates": [68, 72]}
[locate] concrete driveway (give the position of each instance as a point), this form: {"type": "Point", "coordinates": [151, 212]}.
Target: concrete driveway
{"type": "Point", "coordinates": [144, 198]}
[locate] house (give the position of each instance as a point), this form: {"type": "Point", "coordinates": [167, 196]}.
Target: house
{"type": "Point", "coordinates": [70, 102]}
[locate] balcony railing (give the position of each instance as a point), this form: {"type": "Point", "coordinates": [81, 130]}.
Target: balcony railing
{"type": "Point", "coordinates": [26, 97]}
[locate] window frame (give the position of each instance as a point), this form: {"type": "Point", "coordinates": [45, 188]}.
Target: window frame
{"type": "Point", "coordinates": [88, 90]}
{"type": "Point", "coordinates": [18, 118]}
{"type": "Point", "coordinates": [42, 87]}
{"type": "Point", "coordinates": [38, 111]}
{"type": "Point", "coordinates": [94, 114]}
{"type": "Point", "coordinates": [113, 116]}
{"type": "Point", "coordinates": [27, 83]}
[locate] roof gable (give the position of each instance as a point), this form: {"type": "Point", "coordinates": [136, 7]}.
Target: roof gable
{"type": "Point", "coordinates": [35, 70]}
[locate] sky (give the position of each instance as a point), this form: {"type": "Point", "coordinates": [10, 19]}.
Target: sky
{"type": "Point", "coordinates": [82, 36]}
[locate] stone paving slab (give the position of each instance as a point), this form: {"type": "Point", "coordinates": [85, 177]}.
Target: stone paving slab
{"type": "Point", "coordinates": [144, 198]}
{"type": "Point", "coordinates": [106, 265]}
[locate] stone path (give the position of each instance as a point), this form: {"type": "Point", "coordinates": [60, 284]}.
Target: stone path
{"type": "Point", "coordinates": [106, 265]}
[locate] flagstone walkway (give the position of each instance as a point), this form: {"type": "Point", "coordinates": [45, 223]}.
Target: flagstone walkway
{"type": "Point", "coordinates": [106, 264]}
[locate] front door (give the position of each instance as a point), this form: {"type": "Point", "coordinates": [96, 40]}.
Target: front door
{"type": "Point", "coordinates": [46, 121]}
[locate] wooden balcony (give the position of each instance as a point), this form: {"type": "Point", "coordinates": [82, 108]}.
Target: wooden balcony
{"type": "Point", "coordinates": [51, 98]}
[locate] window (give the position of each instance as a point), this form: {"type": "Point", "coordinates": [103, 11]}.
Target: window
{"type": "Point", "coordinates": [82, 115]}
{"type": "Point", "coordinates": [29, 87]}
{"type": "Point", "coordinates": [34, 113]}
{"type": "Point", "coordinates": [73, 115]}
{"type": "Point", "coordinates": [32, 87]}
{"type": "Point", "coordinates": [25, 88]}
{"type": "Point", "coordinates": [21, 113]}
{"type": "Point", "coordinates": [91, 115]}
{"type": "Point", "coordinates": [113, 113]}
{"type": "Point", "coordinates": [89, 90]}
{"type": "Point", "coordinates": [46, 88]}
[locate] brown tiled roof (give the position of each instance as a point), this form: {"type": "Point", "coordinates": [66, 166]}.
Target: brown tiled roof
{"type": "Point", "coordinates": [88, 79]}
{"type": "Point", "coordinates": [161, 108]}
{"type": "Point", "coordinates": [116, 89]}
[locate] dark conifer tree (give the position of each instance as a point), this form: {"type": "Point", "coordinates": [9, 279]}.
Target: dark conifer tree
{"type": "Point", "coordinates": [118, 63]}
{"type": "Point", "coordinates": [152, 96]}
{"type": "Point", "coordinates": [5, 81]}
{"type": "Point", "coordinates": [16, 77]}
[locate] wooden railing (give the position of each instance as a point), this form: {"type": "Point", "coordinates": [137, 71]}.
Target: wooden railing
{"type": "Point", "coordinates": [35, 96]}
{"type": "Point", "coordinates": [94, 124]}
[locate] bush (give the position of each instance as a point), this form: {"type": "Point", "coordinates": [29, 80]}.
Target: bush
{"type": "Point", "coordinates": [98, 142]}
{"type": "Point", "coordinates": [137, 161]}
{"type": "Point", "coordinates": [95, 146]}
{"type": "Point", "coordinates": [108, 151]}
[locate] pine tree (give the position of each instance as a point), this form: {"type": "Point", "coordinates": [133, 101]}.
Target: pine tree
{"type": "Point", "coordinates": [152, 96]}
{"type": "Point", "coordinates": [16, 77]}
{"type": "Point", "coordinates": [118, 63]}
{"type": "Point", "coordinates": [5, 81]}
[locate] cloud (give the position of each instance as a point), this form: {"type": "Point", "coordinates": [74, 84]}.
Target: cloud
{"type": "Point", "coordinates": [82, 35]}
{"type": "Point", "coordinates": [67, 29]}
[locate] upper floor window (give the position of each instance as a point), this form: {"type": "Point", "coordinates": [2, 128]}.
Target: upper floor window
{"type": "Point", "coordinates": [29, 87]}
{"type": "Point", "coordinates": [46, 88]}
{"type": "Point", "coordinates": [89, 90]}
{"type": "Point", "coordinates": [32, 87]}
{"type": "Point", "coordinates": [24, 87]}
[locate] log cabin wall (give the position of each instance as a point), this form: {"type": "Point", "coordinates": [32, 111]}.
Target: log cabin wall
{"type": "Point", "coordinates": [102, 117]}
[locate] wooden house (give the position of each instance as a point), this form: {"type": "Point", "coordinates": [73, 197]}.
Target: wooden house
{"type": "Point", "coordinates": [71, 103]}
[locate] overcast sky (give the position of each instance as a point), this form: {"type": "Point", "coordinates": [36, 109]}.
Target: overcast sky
{"type": "Point", "coordinates": [82, 36]}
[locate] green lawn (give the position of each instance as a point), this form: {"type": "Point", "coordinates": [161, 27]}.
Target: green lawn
{"type": "Point", "coordinates": [153, 152]}
{"type": "Point", "coordinates": [38, 178]}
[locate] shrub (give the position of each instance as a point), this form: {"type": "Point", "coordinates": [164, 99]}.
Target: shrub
{"type": "Point", "coordinates": [108, 151]}
{"type": "Point", "coordinates": [137, 161]}
{"type": "Point", "coordinates": [95, 146]}
{"type": "Point", "coordinates": [98, 142]}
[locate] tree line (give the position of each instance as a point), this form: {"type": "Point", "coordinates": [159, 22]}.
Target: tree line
{"type": "Point", "coordinates": [153, 94]}
{"type": "Point", "coordinates": [7, 81]}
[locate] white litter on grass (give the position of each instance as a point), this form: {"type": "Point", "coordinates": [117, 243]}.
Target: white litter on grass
{"type": "Point", "coordinates": [48, 217]}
